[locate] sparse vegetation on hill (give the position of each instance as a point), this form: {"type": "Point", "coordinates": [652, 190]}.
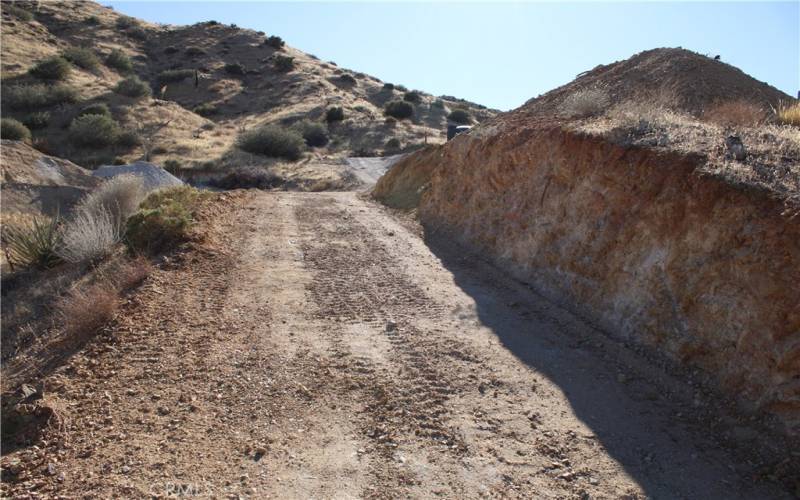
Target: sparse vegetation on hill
{"type": "Point", "coordinates": [13, 130]}
{"type": "Point", "coordinates": [94, 131]}
{"type": "Point", "coordinates": [35, 96]}
{"type": "Point", "coordinates": [37, 120]}
{"type": "Point", "coordinates": [313, 133]}
{"type": "Point", "coordinates": [132, 86]}
{"type": "Point", "coordinates": [235, 69]}
{"type": "Point", "coordinates": [174, 75]}
{"type": "Point", "coordinates": [788, 114]}
{"type": "Point", "coordinates": [18, 12]}
{"type": "Point", "coordinates": [399, 109]}
{"type": "Point", "coordinates": [194, 51]}
{"type": "Point", "coordinates": [284, 63]}
{"type": "Point", "coordinates": [412, 96]}
{"type": "Point", "coordinates": [740, 113]}
{"type": "Point", "coordinates": [82, 57]}
{"type": "Point", "coordinates": [206, 109]}
{"type": "Point", "coordinates": [272, 140]}
{"type": "Point", "coordinates": [460, 116]}
{"type": "Point", "coordinates": [275, 42]}
{"type": "Point", "coordinates": [585, 102]}
{"type": "Point", "coordinates": [99, 108]}
{"type": "Point", "coordinates": [52, 68]}
{"type": "Point", "coordinates": [335, 114]}
{"type": "Point", "coordinates": [119, 61]}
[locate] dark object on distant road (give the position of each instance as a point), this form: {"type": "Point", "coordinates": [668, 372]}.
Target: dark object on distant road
{"type": "Point", "coordinates": [454, 130]}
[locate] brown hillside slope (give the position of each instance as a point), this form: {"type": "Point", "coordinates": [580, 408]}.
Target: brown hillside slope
{"type": "Point", "coordinates": [238, 87]}
{"type": "Point", "coordinates": [642, 222]}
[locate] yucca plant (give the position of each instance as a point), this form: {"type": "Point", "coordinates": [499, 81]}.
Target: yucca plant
{"type": "Point", "coordinates": [33, 244]}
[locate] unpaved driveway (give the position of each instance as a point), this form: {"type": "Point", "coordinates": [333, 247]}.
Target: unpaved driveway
{"type": "Point", "coordinates": [322, 349]}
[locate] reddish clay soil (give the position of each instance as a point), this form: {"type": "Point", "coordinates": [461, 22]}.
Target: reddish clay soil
{"type": "Point", "coordinates": [317, 346]}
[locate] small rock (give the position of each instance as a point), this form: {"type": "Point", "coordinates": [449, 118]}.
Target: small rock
{"type": "Point", "coordinates": [567, 476]}
{"type": "Point", "coordinates": [593, 481]}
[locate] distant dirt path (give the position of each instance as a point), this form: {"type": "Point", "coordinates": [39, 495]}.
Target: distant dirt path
{"type": "Point", "coordinates": [370, 169]}
{"type": "Point", "coordinates": [329, 353]}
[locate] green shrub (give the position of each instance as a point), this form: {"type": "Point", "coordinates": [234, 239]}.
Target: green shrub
{"type": "Point", "coordinates": [137, 33]}
{"type": "Point", "coordinates": [313, 133]}
{"type": "Point", "coordinates": [14, 130]}
{"type": "Point", "coordinates": [82, 57]}
{"type": "Point", "coordinates": [459, 116]}
{"type": "Point", "coordinates": [125, 22]}
{"type": "Point", "coordinates": [399, 109]}
{"type": "Point", "coordinates": [93, 131]}
{"type": "Point", "coordinates": [52, 68]}
{"type": "Point", "coordinates": [33, 244]}
{"type": "Point", "coordinates": [92, 20]}
{"type": "Point", "coordinates": [206, 109]}
{"type": "Point", "coordinates": [18, 12]}
{"type": "Point", "coordinates": [193, 51]}
{"type": "Point", "coordinates": [248, 178]}
{"type": "Point", "coordinates": [401, 88]}
{"type": "Point", "coordinates": [335, 114]}
{"type": "Point", "coordinates": [272, 140]}
{"type": "Point", "coordinates": [412, 96]}
{"type": "Point", "coordinates": [174, 75]}
{"type": "Point", "coordinates": [164, 219]}
{"type": "Point", "coordinates": [388, 87]}
{"type": "Point", "coordinates": [348, 79]}
{"type": "Point", "coordinates": [35, 96]}
{"type": "Point", "coordinates": [128, 139]}
{"type": "Point", "coordinates": [234, 69]}
{"type": "Point", "coordinates": [284, 63]}
{"type": "Point", "coordinates": [438, 104]}
{"type": "Point", "coordinates": [132, 86]}
{"type": "Point", "coordinates": [393, 144]}
{"type": "Point", "coordinates": [119, 61]}
{"type": "Point", "coordinates": [99, 108]}
{"type": "Point", "coordinates": [275, 42]}
{"type": "Point", "coordinates": [37, 120]}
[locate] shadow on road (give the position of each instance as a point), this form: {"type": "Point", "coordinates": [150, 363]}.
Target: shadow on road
{"type": "Point", "coordinates": [642, 416]}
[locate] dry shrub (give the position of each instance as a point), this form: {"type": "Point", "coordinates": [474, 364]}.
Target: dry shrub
{"type": "Point", "coordinates": [90, 235]}
{"type": "Point", "coordinates": [585, 102]}
{"type": "Point", "coordinates": [788, 114]}
{"type": "Point", "coordinates": [130, 273]}
{"type": "Point", "coordinates": [120, 196]}
{"type": "Point", "coordinates": [32, 243]}
{"type": "Point", "coordinates": [739, 113]}
{"type": "Point", "coordinates": [83, 311]}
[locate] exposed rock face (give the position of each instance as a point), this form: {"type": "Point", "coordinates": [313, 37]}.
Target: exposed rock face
{"type": "Point", "coordinates": [639, 240]}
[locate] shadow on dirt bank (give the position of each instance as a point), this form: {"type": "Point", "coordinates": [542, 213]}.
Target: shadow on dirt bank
{"type": "Point", "coordinates": [667, 435]}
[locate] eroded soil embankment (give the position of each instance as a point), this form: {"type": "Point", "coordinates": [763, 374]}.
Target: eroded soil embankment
{"type": "Point", "coordinates": [641, 241]}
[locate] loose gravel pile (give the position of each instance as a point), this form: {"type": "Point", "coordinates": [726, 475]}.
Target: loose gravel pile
{"type": "Point", "coordinates": [153, 176]}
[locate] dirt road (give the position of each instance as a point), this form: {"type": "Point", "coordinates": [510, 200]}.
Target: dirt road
{"type": "Point", "coordinates": [321, 349]}
{"type": "Point", "coordinates": [370, 169]}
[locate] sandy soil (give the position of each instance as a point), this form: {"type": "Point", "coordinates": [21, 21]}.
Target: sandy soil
{"type": "Point", "coordinates": [318, 347]}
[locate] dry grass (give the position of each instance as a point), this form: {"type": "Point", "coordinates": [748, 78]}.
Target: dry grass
{"type": "Point", "coordinates": [83, 311]}
{"type": "Point", "coordinates": [90, 234]}
{"type": "Point", "coordinates": [736, 114]}
{"type": "Point", "coordinates": [788, 114]}
{"type": "Point", "coordinates": [584, 103]}
{"type": "Point", "coordinates": [120, 196]}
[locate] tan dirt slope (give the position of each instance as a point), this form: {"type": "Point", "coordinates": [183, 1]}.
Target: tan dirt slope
{"type": "Point", "coordinates": [260, 94]}
{"type": "Point", "coordinates": [644, 224]}
{"type": "Point", "coordinates": [315, 346]}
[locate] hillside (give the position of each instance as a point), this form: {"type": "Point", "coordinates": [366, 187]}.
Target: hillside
{"type": "Point", "coordinates": [619, 196]}
{"type": "Point", "coordinates": [194, 118]}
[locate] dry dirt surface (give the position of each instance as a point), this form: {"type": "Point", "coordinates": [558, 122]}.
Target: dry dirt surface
{"type": "Point", "coordinates": [318, 347]}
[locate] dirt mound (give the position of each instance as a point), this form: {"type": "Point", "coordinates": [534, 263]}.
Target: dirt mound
{"type": "Point", "coordinates": [34, 183]}
{"type": "Point", "coordinates": [673, 77]}
{"type": "Point", "coordinates": [153, 176]}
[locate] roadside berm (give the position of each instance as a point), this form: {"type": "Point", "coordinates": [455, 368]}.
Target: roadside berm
{"type": "Point", "coordinates": [619, 195]}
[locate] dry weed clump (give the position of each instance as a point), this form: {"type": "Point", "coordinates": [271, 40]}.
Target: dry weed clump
{"type": "Point", "coordinates": [89, 235]}
{"type": "Point", "coordinates": [128, 274]}
{"type": "Point", "coordinates": [120, 196]}
{"type": "Point", "coordinates": [83, 311]}
{"type": "Point", "coordinates": [739, 113]}
{"type": "Point", "coordinates": [584, 103]}
{"type": "Point", "coordinates": [788, 114]}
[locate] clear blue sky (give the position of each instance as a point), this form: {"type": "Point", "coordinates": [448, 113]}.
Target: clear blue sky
{"type": "Point", "coordinates": [502, 54]}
